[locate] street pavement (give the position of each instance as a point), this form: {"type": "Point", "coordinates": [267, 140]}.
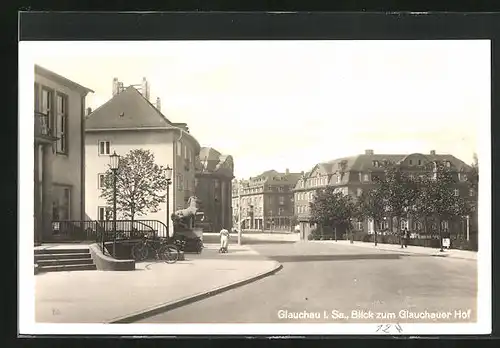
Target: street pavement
{"type": "Point", "coordinates": [333, 282]}
{"type": "Point", "coordinates": [108, 296]}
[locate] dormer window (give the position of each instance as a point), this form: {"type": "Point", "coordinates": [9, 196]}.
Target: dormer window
{"type": "Point", "coordinates": [376, 164]}
{"type": "Point", "coordinates": [419, 162]}
{"type": "Point", "coordinates": [411, 162]}
{"type": "Point", "coordinates": [448, 164]}
{"type": "Point", "coordinates": [339, 179]}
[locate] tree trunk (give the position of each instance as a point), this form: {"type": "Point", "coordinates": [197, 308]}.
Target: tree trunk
{"type": "Point", "coordinates": [440, 234]}
{"type": "Point", "coordinates": [335, 231]}
{"type": "Point", "coordinates": [375, 231]}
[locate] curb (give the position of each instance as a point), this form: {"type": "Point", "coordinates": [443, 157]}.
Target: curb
{"type": "Point", "coordinates": [415, 253]}
{"type": "Point", "coordinates": [165, 307]}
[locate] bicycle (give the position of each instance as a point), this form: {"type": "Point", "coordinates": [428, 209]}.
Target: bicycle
{"type": "Point", "coordinates": [168, 253]}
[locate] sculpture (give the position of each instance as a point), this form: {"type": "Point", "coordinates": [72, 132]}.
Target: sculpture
{"type": "Point", "coordinates": [184, 219]}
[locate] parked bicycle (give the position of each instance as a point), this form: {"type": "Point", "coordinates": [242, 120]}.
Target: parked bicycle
{"type": "Point", "coordinates": [163, 251]}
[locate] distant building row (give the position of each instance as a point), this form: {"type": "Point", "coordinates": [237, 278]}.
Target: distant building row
{"type": "Point", "coordinates": [353, 175]}
{"type": "Point", "coordinates": [277, 201]}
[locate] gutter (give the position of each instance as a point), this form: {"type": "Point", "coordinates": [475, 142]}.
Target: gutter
{"type": "Point", "coordinates": [82, 159]}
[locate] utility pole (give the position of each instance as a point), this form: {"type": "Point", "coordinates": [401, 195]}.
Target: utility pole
{"type": "Point", "coordinates": [239, 212]}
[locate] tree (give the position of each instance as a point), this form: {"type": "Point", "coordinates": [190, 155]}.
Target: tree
{"type": "Point", "coordinates": [437, 197]}
{"type": "Point", "coordinates": [332, 208]}
{"type": "Point", "coordinates": [372, 205]}
{"type": "Point", "coordinates": [140, 184]}
{"type": "Point", "coordinates": [473, 181]}
{"type": "Point", "coordinates": [397, 189]}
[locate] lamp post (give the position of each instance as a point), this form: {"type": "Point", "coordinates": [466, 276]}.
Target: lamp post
{"type": "Point", "coordinates": [239, 212]}
{"type": "Point", "coordinates": [114, 162]}
{"type": "Point", "coordinates": [168, 175]}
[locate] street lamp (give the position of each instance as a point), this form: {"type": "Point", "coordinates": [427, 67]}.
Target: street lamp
{"type": "Point", "coordinates": [239, 212]}
{"type": "Point", "coordinates": [114, 162]}
{"type": "Point", "coordinates": [168, 175]}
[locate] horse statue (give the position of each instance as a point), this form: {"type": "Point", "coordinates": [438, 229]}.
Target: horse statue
{"type": "Point", "coordinates": [184, 218]}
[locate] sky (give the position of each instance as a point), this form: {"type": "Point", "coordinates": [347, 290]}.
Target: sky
{"type": "Point", "coordinates": [292, 104]}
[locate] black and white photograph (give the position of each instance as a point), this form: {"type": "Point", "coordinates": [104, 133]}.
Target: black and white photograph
{"type": "Point", "coordinates": [255, 187]}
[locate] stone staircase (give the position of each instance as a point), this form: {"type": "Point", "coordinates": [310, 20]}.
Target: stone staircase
{"type": "Point", "coordinates": [54, 260]}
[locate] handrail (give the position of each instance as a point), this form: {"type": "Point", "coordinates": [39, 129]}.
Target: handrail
{"type": "Point", "coordinates": [103, 231]}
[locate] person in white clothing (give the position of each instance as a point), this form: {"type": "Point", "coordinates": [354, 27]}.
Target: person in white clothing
{"type": "Point", "coordinates": [224, 240]}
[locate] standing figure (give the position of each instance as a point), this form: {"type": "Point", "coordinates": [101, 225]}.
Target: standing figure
{"type": "Point", "coordinates": [224, 240]}
{"type": "Point", "coordinates": [406, 236]}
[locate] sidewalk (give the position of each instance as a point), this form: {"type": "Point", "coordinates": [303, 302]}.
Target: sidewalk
{"type": "Point", "coordinates": [452, 253]}
{"type": "Point", "coordinates": [103, 297]}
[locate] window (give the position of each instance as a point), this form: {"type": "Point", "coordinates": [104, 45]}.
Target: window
{"type": "Point", "coordinates": [444, 225]}
{"type": "Point", "coordinates": [281, 211]}
{"type": "Point", "coordinates": [101, 178]}
{"type": "Point", "coordinates": [62, 123]}
{"type": "Point", "coordinates": [359, 192]}
{"type": "Point", "coordinates": [448, 164]}
{"type": "Point", "coordinates": [404, 224]}
{"type": "Point", "coordinates": [376, 164]}
{"type": "Point", "coordinates": [463, 177]}
{"type": "Point", "coordinates": [186, 152]}
{"type": "Point", "coordinates": [104, 148]}
{"type": "Point", "coordinates": [472, 193]}
{"type": "Point", "coordinates": [339, 179]}
{"type": "Point", "coordinates": [419, 162]}
{"type": "Point", "coordinates": [457, 193]}
{"type": "Point", "coordinates": [366, 177]}
{"type": "Point", "coordinates": [383, 225]}
{"type": "Point", "coordinates": [282, 200]}
{"type": "Point", "coordinates": [61, 203]}
{"type": "Point", "coordinates": [359, 225]}
{"type": "Point", "coordinates": [411, 162]}
{"type": "Point", "coordinates": [46, 107]}
{"type": "Point", "coordinates": [280, 189]}
{"type": "Point", "coordinates": [104, 213]}
{"type": "Point", "coordinates": [179, 181]}
{"type": "Point", "coordinates": [179, 148]}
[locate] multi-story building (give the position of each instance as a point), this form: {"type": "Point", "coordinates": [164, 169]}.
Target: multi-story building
{"type": "Point", "coordinates": [266, 201]}
{"type": "Point", "coordinates": [130, 121]}
{"type": "Point", "coordinates": [214, 174]}
{"type": "Point", "coordinates": [353, 175]}
{"type": "Point", "coordinates": [59, 152]}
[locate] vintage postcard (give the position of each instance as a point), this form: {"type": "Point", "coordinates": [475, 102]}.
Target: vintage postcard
{"type": "Point", "coordinates": [255, 187]}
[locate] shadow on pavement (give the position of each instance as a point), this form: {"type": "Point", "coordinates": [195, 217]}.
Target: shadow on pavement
{"type": "Point", "coordinates": [315, 258]}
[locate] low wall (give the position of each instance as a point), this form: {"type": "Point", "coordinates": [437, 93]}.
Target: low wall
{"type": "Point", "coordinates": [106, 263]}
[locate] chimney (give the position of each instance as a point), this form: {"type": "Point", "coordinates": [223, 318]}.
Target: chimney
{"type": "Point", "coordinates": [433, 152]}
{"type": "Point", "coordinates": [158, 103]}
{"type": "Point", "coordinates": [368, 152]}
{"type": "Point", "coordinates": [115, 86]}
{"type": "Point", "coordinates": [89, 111]}
{"type": "Point", "coordinates": [145, 88]}
{"type": "Point", "coordinates": [287, 171]}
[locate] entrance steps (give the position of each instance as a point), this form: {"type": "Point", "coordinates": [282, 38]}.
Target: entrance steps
{"type": "Point", "coordinates": [70, 259]}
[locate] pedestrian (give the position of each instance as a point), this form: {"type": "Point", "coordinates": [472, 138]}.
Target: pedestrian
{"type": "Point", "coordinates": [402, 238]}
{"type": "Point", "coordinates": [406, 237]}
{"type": "Point", "coordinates": [224, 240]}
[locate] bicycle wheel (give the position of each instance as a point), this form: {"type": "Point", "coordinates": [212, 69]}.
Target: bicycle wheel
{"type": "Point", "coordinates": [169, 253]}
{"type": "Point", "coordinates": [139, 252]}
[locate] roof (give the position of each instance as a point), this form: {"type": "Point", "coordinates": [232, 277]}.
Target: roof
{"type": "Point", "coordinates": [365, 162]}
{"type": "Point", "coordinates": [39, 70]}
{"type": "Point", "coordinates": [128, 109]}
{"type": "Point", "coordinates": [212, 161]}
{"type": "Point", "coordinates": [276, 178]}
{"type": "Point", "coordinates": [209, 153]}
